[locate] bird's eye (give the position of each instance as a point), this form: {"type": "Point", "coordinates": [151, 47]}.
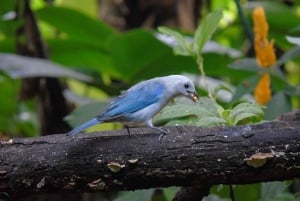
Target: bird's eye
{"type": "Point", "coordinates": [186, 86]}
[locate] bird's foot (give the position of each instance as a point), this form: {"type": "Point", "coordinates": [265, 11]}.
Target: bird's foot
{"type": "Point", "coordinates": [162, 132]}
{"type": "Point", "coordinates": [161, 136]}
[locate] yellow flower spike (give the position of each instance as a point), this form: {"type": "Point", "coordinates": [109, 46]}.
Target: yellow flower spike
{"type": "Point", "coordinates": [262, 92]}
{"type": "Point", "coordinates": [264, 49]}
{"type": "Point", "coordinates": [261, 26]}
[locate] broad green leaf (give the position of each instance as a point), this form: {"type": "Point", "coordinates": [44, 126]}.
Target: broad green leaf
{"type": "Point", "coordinates": [210, 106]}
{"type": "Point", "coordinates": [76, 25]}
{"type": "Point", "coordinates": [205, 113]}
{"type": "Point", "coordinates": [176, 111]}
{"type": "Point", "coordinates": [206, 29]}
{"type": "Point", "coordinates": [85, 112]}
{"type": "Point", "coordinates": [82, 56]}
{"type": "Point", "coordinates": [278, 84]}
{"type": "Point", "coordinates": [245, 87]}
{"type": "Point", "coordinates": [295, 29]}
{"type": "Point", "coordinates": [250, 65]}
{"type": "Point", "coordinates": [211, 121]}
{"type": "Point", "coordinates": [17, 66]}
{"type": "Point", "coordinates": [245, 118]}
{"type": "Point", "coordinates": [247, 64]}
{"type": "Point", "coordinates": [288, 55]}
{"type": "Point", "coordinates": [179, 110]}
{"type": "Point", "coordinates": [182, 46]}
{"type": "Point", "coordinates": [249, 192]}
{"type": "Point", "coordinates": [215, 65]}
{"type": "Point", "coordinates": [209, 47]}
{"type": "Point", "coordinates": [292, 91]}
{"type": "Point", "coordinates": [170, 192]}
{"type": "Point", "coordinates": [275, 191]}
{"type": "Point", "coordinates": [138, 55]}
{"type": "Point", "coordinates": [138, 195]}
{"type": "Point", "coordinates": [243, 111]}
{"type": "Point", "coordinates": [293, 40]}
{"type": "Point", "coordinates": [183, 121]}
{"type": "Point", "coordinates": [133, 51]}
{"type": "Point", "coordinates": [278, 104]}
{"type": "Point", "coordinates": [213, 197]}
{"type": "Point", "coordinates": [9, 88]}
{"type": "Point", "coordinates": [7, 44]}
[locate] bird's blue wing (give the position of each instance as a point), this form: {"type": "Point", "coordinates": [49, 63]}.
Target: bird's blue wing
{"type": "Point", "coordinates": [133, 100]}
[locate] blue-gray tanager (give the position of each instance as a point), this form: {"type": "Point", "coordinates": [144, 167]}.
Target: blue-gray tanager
{"type": "Point", "coordinates": [141, 102]}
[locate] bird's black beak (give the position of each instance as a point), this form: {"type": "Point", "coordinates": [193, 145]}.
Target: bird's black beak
{"type": "Point", "coordinates": [194, 96]}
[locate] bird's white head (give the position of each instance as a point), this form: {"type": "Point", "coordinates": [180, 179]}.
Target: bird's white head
{"type": "Point", "coordinates": [181, 85]}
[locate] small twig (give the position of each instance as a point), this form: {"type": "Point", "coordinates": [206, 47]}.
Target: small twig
{"type": "Point", "coordinates": [231, 190]}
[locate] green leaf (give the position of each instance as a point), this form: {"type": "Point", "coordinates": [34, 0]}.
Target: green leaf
{"type": "Point", "coordinates": [138, 55]}
{"type": "Point", "coordinates": [250, 65]}
{"type": "Point", "coordinates": [182, 46]}
{"type": "Point", "coordinates": [288, 55]}
{"type": "Point", "coordinates": [182, 121]}
{"type": "Point", "coordinates": [216, 66]}
{"type": "Point", "coordinates": [76, 25]}
{"type": "Point", "coordinates": [82, 56]}
{"type": "Point", "coordinates": [180, 110]}
{"type": "Point", "coordinates": [205, 113]}
{"type": "Point", "coordinates": [246, 113]}
{"type": "Point", "coordinates": [137, 195]}
{"type": "Point", "coordinates": [9, 88]}
{"type": "Point", "coordinates": [249, 192]}
{"type": "Point", "coordinates": [278, 104]}
{"type": "Point", "coordinates": [245, 87]}
{"type": "Point", "coordinates": [211, 106]}
{"type": "Point", "coordinates": [85, 112]}
{"type": "Point", "coordinates": [170, 192]}
{"type": "Point", "coordinates": [293, 40]}
{"type": "Point", "coordinates": [134, 50]}
{"type": "Point", "coordinates": [23, 67]}
{"type": "Point", "coordinates": [210, 121]}
{"type": "Point", "coordinates": [275, 191]}
{"type": "Point", "coordinates": [245, 118]}
{"type": "Point", "coordinates": [206, 29]}
{"type": "Point", "coordinates": [247, 64]}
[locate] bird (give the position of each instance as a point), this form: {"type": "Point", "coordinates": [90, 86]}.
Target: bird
{"type": "Point", "coordinates": [141, 102]}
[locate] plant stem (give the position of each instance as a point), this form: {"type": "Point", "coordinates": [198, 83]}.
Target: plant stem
{"type": "Point", "coordinates": [200, 65]}
{"type": "Point", "coordinates": [245, 23]}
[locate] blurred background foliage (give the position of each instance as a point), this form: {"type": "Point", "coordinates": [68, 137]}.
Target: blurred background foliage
{"type": "Point", "coordinates": [99, 48]}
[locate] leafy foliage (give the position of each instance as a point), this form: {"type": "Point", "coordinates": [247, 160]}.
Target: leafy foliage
{"type": "Point", "coordinates": [210, 113]}
{"type": "Point", "coordinates": [184, 46]}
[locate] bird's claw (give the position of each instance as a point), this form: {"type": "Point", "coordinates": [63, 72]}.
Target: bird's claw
{"type": "Point", "coordinates": [161, 136]}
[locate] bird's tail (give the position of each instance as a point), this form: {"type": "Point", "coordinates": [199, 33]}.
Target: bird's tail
{"type": "Point", "coordinates": [83, 126]}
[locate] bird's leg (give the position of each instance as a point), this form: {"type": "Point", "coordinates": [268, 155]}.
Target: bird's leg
{"type": "Point", "coordinates": [127, 128]}
{"type": "Point", "coordinates": [163, 132]}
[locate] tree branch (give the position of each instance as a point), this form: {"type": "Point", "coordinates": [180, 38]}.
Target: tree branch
{"type": "Point", "coordinates": [188, 156]}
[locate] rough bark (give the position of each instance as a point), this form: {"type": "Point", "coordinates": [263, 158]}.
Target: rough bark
{"type": "Point", "coordinates": [114, 160]}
